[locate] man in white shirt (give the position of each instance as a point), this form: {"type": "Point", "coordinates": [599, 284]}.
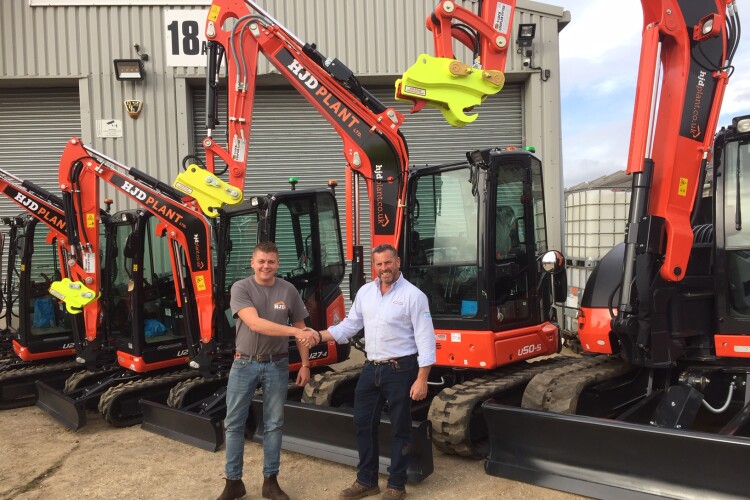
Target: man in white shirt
{"type": "Point", "coordinates": [400, 346]}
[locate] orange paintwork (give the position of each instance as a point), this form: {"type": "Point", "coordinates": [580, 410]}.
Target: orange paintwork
{"type": "Point", "coordinates": [26, 355]}
{"type": "Point", "coordinates": [335, 312]}
{"type": "Point", "coordinates": [136, 363]}
{"type": "Point", "coordinates": [271, 41]}
{"type": "Point", "coordinates": [486, 350]}
{"type": "Point", "coordinates": [593, 329]}
{"type": "Point", "coordinates": [492, 54]}
{"type": "Point", "coordinates": [677, 158]}
{"type": "Point", "coordinates": [168, 211]}
{"type": "Point", "coordinates": [732, 346]}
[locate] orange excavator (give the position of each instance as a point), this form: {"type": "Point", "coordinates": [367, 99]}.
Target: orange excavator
{"type": "Point", "coordinates": [470, 233]}
{"type": "Point", "coordinates": [659, 406]}
{"type": "Point", "coordinates": [43, 340]}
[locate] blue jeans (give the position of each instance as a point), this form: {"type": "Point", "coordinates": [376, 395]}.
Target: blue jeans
{"type": "Point", "coordinates": [378, 384]}
{"type": "Point", "coordinates": [244, 378]}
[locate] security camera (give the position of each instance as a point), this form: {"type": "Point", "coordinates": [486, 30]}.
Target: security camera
{"type": "Point", "coordinates": [526, 62]}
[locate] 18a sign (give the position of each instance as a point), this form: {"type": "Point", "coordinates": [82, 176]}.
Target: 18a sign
{"type": "Point", "coordinates": [185, 39]}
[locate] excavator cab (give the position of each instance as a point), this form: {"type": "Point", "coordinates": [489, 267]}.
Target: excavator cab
{"type": "Point", "coordinates": [732, 150]}
{"type": "Point", "coordinates": [304, 225]}
{"type": "Point", "coordinates": [44, 326]}
{"type": "Point", "coordinates": [147, 324]}
{"type": "Point", "coordinates": [475, 233]}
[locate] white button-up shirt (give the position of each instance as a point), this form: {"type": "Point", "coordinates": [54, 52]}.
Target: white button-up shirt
{"type": "Point", "coordinates": [397, 323]}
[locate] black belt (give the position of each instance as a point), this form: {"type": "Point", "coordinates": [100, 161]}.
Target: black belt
{"type": "Point", "coordinates": [391, 361]}
{"type": "Point", "coordinates": [262, 358]}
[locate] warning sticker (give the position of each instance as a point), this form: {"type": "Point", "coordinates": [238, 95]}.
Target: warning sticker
{"type": "Point", "coordinates": [682, 189]}
{"type": "Point", "coordinates": [503, 12]}
{"type": "Point", "coordinates": [89, 264]}
{"type": "Point", "coordinates": [414, 90]}
{"type": "Point", "coordinates": [200, 283]}
{"type": "Point", "coordinates": [90, 220]}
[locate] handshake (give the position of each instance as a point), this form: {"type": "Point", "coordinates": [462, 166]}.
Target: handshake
{"type": "Point", "coordinates": [308, 337]}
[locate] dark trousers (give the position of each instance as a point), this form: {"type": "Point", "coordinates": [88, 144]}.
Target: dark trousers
{"type": "Point", "coordinates": [377, 385]}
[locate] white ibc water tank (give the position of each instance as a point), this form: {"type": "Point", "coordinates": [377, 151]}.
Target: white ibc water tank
{"type": "Point", "coordinates": [595, 222]}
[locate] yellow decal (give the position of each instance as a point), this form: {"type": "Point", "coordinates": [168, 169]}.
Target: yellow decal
{"type": "Point", "coordinates": [682, 190]}
{"type": "Point", "coordinates": [23, 267]}
{"type": "Point", "coordinates": [90, 220]}
{"type": "Point", "coordinates": [200, 283]}
{"type": "Point", "coordinates": [213, 14]}
{"type": "Point", "coordinates": [135, 268]}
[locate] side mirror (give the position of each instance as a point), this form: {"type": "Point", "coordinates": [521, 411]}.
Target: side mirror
{"type": "Point", "coordinates": [553, 263]}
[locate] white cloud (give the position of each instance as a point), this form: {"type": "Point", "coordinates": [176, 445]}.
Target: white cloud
{"type": "Point", "coordinates": [599, 57]}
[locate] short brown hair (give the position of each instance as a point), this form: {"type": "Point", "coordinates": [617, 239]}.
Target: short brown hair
{"type": "Point", "coordinates": [384, 247]}
{"type": "Point", "coordinates": [266, 247]}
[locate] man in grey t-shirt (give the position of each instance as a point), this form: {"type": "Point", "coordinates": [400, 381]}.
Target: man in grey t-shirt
{"type": "Point", "coordinates": [264, 306]}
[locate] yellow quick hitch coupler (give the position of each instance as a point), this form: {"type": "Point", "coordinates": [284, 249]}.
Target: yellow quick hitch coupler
{"type": "Point", "coordinates": [448, 85]}
{"type": "Point", "coordinates": [74, 294]}
{"type": "Point", "coordinates": [208, 190]}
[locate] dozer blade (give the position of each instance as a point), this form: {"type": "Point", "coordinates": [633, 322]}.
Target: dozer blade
{"type": "Point", "coordinates": [64, 409]}
{"type": "Point", "coordinates": [328, 433]}
{"type": "Point", "coordinates": [18, 383]}
{"type": "Point", "coordinates": [203, 430]}
{"type": "Point", "coordinates": [612, 459]}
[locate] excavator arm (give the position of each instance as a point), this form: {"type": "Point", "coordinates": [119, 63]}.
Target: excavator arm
{"type": "Point", "coordinates": [374, 149]}
{"type": "Point", "coordinates": [664, 405]}
{"type": "Point", "coordinates": [48, 209]}
{"type": "Point", "coordinates": [445, 83]}
{"type": "Point", "coordinates": [685, 66]}
{"type": "Point", "coordinates": [81, 169]}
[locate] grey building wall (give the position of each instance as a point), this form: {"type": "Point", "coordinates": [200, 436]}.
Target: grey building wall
{"type": "Point", "coordinates": [73, 45]}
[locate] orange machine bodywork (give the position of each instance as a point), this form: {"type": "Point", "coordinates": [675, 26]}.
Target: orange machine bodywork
{"type": "Point", "coordinates": [678, 147]}
{"type": "Point", "coordinates": [184, 225]}
{"type": "Point", "coordinates": [487, 350]}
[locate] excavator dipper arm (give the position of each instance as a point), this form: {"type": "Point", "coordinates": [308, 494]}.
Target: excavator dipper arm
{"type": "Point", "coordinates": [674, 124]}
{"type": "Point", "coordinates": [374, 148]}
{"type": "Point", "coordinates": [449, 85]}
{"type": "Point", "coordinates": [81, 168]}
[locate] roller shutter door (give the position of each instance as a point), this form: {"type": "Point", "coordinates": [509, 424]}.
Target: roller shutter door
{"type": "Point", "coordinates": [290, 138]}
{"type": "Point", "coordinates": [35, 125]}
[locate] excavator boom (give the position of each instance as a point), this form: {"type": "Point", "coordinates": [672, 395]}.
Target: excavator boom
{"type": "Point", "coordinates": [662, 413]}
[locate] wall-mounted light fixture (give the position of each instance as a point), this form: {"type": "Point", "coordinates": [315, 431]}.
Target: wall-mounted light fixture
{"type": "Point", "coordinates": [526, 34]}
{"type": "Point", "coordinates": [129, 70]}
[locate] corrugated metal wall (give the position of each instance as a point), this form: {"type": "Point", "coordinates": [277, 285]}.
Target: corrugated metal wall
{"type": "Point", "coordinates": [75, 45]}
{"type": "Point", "coordinates": [34, 125]}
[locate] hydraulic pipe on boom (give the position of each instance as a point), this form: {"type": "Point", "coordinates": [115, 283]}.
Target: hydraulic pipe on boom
{"type": "Point", "coordinates": [682, 77]}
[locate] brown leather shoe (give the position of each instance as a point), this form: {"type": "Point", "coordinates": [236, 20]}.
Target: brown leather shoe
{"type": "Point", "coordinates": [233, 489]}
{"type": "Point", "coordinates": [393, 493]}
{"type": "Point", "coordinates": [359, 490]}
{"type": "Point", "coordinates": [272, 490]}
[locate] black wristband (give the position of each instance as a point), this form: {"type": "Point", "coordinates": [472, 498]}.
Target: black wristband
{"type": "Point", "coordinates": [320, 336]}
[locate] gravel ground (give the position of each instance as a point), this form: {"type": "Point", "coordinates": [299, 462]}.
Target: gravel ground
{"type": "Point", "coordinates": [43, 460]}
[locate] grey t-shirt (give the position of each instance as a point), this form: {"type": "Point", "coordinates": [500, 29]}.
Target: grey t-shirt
{"type": "Point", "coordinates": [280, 303]}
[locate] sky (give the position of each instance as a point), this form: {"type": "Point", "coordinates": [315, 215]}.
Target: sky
{"type": "Point", "coordinates": [599, 54]}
